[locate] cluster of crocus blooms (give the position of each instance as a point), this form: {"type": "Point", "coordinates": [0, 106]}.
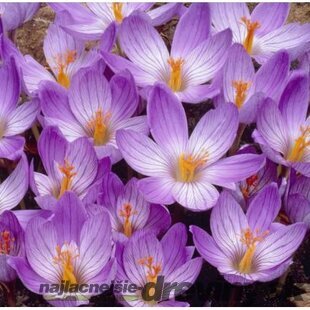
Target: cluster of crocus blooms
{"type": "Point", "coordinates": [116, 148]}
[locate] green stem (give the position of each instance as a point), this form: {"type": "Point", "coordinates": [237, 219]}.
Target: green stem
{"type": "Point", "coordinates": [234, 148]}
{"type": "Point", "coordinates": [35, 132]}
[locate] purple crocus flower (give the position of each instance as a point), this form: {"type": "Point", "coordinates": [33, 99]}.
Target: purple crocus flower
{"type": "Point", "coordinates": [180, 168]}
{"type": "Point", "coordinates": [248, 247]}
{"type": "Point", "coordinates": [94, 108]}
{"type": "Point", "coordinates": [15, 186]}
{"type": "Point", "coordinates": [262, 32]}
{"type": "Point", "coordinates": [128, 209]}
{"type": "Point", "coordinates": [69, 166]}
{"type": "Point", "coordinates": [67, 248]}
{"type": "Point", "coordinates": [14, 119]}
{"type": "Point", "coordinates": [193, 61]}
{"type": "Point", "coordinates": [144, 259]}
{"type": "Point", "coordinates": [11, 244]}
{"type": "Point", "coordinates": [284, 132]}
{"type": "Point", "coordinates": [90, 22]}
{"type": "Point", "coordinates": [64, 55]}
{"type": "Point", "coordinates": [15, 14]}
{"type": "Point", "coordinates": [245, 88]}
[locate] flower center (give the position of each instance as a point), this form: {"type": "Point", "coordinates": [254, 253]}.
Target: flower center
{"type": "Point", "coordinates": [99, 127]}
{"type": "Point", "coordinates": [251, 28]}
{"type": "Point", "coordinates": [152, 269]}
{"type": "Point", "coordinates": [188, 166]}
{"type": "Point", "coordinates": [65, 257]}
{"type": "Point", "coordinates": [300, 145]}
{"type": "Point", "coordinates": [126, 213]}
{"type": "Point", "coordinates": [68, 174]}
{"type": "Point", "coordinates": [250, 240]}
{"type": "Point", "coordinates": [251, 183]}
{"type": "Point", "coordinates": [63, 61]}
{"type": "Point", "coordinates": [241, 89]}
{"type": "Point", "coordinates": [175, 80]}
{"type": "Point", "coordinates": [6, 242]}
{"type": "Point", "coordinates": [117, 10]}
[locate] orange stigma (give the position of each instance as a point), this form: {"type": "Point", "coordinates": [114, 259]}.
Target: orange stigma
{"type": "Point", "coordinates": [251, 182]}
{"type": "Point", "coordinates": [63, 62]}
{"type": "Point", "coordinates": [68, 174]}
{"type": "Point", "coordinates": [175, 80]}
{"type": "Point", "coordinates": [99, 127]}
{"type": "Point", "coordinates": [251, 28]}
{"type": "Point", "coordinates": [117, 10]}
{"type": "Point", "coordinates": [248, 238]}
{"type": "Point", "coordinates": [6, 242]}
{"type": "Point", "coordinates": [300, 145]}
{"type": "Point", "coordinates": [153, 270]}
{"type": "Point", "coordinates": [241, 89]}
{"type": "Point", "coordinates": [65, 257]}
{"type": "Point", "coordinates": [126, 213]}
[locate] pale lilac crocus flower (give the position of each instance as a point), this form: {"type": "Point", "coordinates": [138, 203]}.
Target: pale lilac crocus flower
{"type": "Point", "coordinates": [94, 108]}
{"type": "Point", "coordinates": [248, 247]}
{"type": "Point", "coordinates": [283, 131]}
{"type": "Point", "coordinates": [14, 119]}
{"type": "Point", "coordinates": [11, 244]}
{"type": "Point", "coordinates": [246, 88]}
{"type": "Point", "coordinates": [195, 57]}
{"type": "Point", "coordinates": [262, 32]}
{"type": "Point", "coordinates": [90, 22]}
{"type": "Point", "coordinates": [182, 168]}
{"type": "Point", "coordinates": [70, 166]}
{"type": "Point", "coordinates": [144, 259]}
{"type": "Point", "coordinates": [129, 210]}
{"type": "Point", "coordinates": [67, 247]}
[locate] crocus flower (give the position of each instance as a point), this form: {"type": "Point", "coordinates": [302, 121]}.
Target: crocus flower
{"type": "Point", "coordinates": [14, 119]}
{"type": "Point", "coordinates": [94, 108]}
{"type": "Point", "coordinates": [69, 166]}
{"type": "Point", "coordinates": [11, 244]}
{"type": "Point", "coordinates": [90, 22]}
{"type": "Point", "coordinates": [144, 260]}
{"type": "Point", "coordinates": [262, 32]}
{"type": "Point", "coordinates": [15, 186]}
{"type": "Point", "coordinates": [128, 209]}
{"type": "Point", "coordinates": [248, 247]}
{"type": "Point", "coordinates": [180, 168]}
{"type": "Point", "coordinates": [193, 60]}
{"type": "Point", "coordinates": [284, 132]}
{"type": "Point", "coordinates": [66, 248]}
{"type": "Point", "coordinates": [245, 88]}
{"type": "Point", "coordinates": [15, 14]}
{"type": "Point", "coordinates": [64, 55]}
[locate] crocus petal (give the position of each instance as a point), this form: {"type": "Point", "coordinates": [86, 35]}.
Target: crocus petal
{"type": "Point", "coordinates": [303, 168]}
{"type": "Point", "coordinates": [14, 187]}
{"type": "Point", "coordinates": [193, 28]}
{"type": "Point", "coordinates": [198, 93]}
{"type": "Point", "coordinates": [297, 208]}
{"type": "Point", "coordinates": [159, 219]}
{"type": "Point", "coordinates": [215, 132]}
{"type": "Point", "coordinates": [164, 13]}
{"type": "Point", "coordinates": [42, 184]}
{"type": "Point", "coordinates": [270, 16]}
{"type": "Point", "coordinates": [167, 120]}
{"type": "Point", "coordinates": [24, 216]}
{"type": "Point", "coordinates": [196, 196]}
{"type": "Point", "coordinates": [142, 153]}
{"type": "Point", "coordinates": [264, 208]}
{"type": "Point", "coordinates": [11, 147]}
{"type": "Point", "coordinates": [143, 45]}
{"type": "Point", "coordinates": [108, 38]}
{"type": "Point", "coordinates": [279, 246]}
{"type": "Point", "coordinates": [271, 126]}
{"type": "Point", "coordinates": [274, 273]}
{"type": "Point", "coordinates": [227, 224]}
{"type": "Point", "coordinates": [103, 11]}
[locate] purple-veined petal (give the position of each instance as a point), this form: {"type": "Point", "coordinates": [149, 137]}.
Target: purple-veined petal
{"type": "Point", "coordinates": [103, 11]}
{"type": "Point", "coordinates": [303, 168]}
{"type": "Point", "coordinates": [11, 147]}
{"type": "Point", "coordinates": [43, 184]}
{"type": "Point", "coordinates": [108, 38]}
{"type": "Point", "coordinates": [298, 209]}
{"type": "Point", "coordinates": [164, 13]}
{"type": "Point", "coordinates": [159, 219]}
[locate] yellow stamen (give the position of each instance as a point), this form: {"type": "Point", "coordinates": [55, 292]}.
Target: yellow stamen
{"type": "Point", "coordinates": [117, 10]}
{"type": "Point", "coordinates": [153, 270]}
{"type": "Point", "coordinates": [62, 64]}
{"type": "Point", "coordinates": [248, 238]}
{"type": "Point", "coordinates": [187, 167]}
{"type": "Point", "coordinates": [68, 174]}
{"type": "Point", "coordinates": [301, 143]}
{"type": "Point", "coordinates": [175, 81]}
{"type": "Point", "coordinates": [127, 212]}
{"type": "Point", "coordinates": [241, 89]}
{"type": "Point", "coordinates": [251, 28]}
{"type": "Point", "coordinates": [65, 257]}
{"type": "Point", "coordinates": [6, 242]}
{"type": "Point", "coordinates": [99, 127]}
